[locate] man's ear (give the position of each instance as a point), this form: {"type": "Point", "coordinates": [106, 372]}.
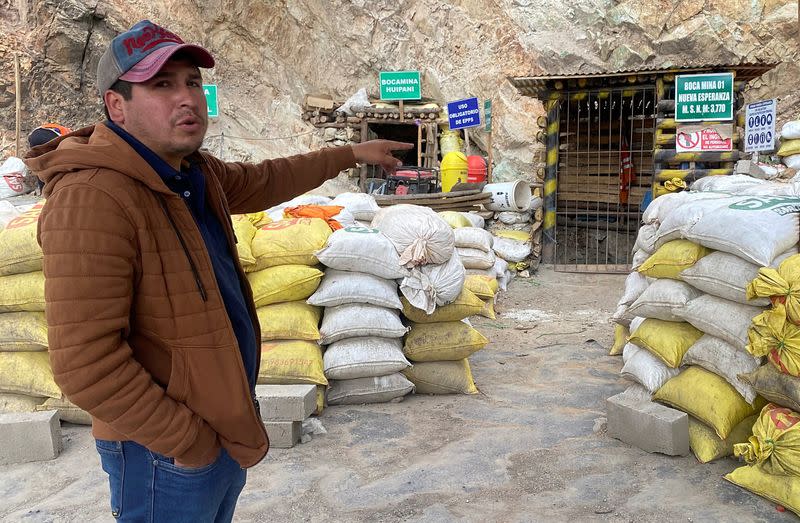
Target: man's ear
{"type": "Point", "coordinates": [114, 103]}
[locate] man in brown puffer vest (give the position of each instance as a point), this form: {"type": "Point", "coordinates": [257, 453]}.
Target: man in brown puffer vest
{"type": "Point", "coordinates": [152, 326]}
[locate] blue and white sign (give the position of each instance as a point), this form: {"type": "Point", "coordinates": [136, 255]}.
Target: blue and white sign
{"type": "Point", "coordinates": [759, 128]}
{"type": "Point", "coordinates": [464, 113]}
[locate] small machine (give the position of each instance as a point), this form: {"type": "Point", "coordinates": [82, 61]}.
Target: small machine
{"type": "Point", "coordinates": [412, 180]}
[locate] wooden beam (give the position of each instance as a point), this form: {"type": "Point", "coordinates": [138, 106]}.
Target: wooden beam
{"type": "Point", "coordinates": [18, 88]}
{"type": "Point", "coordinates": [690, 175]}
{"type": "Point", "coordinates": [433, 196]}
{"type": "Point", "coordinates": [671, 155]}
{"type": "Point", "coordinates": [362, 177]}
{"type": "Point", "coordinates": [634, 198]}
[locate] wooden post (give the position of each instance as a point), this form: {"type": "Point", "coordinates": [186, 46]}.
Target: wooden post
{"type": "Point", "coordinates": [18, 87]}
{"type": "Point", "coordinates": [402, 112]}
{"type": "Point", "coordinates": [489, 161]}
{"type": "Point", "coordinates": [551, 180]}
{"type": "Point", "coordinates": [362, 176]}
{"type": "Point", "coordinates": [419, 143]}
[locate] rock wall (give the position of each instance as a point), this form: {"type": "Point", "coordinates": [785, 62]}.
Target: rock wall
{"type": "Point", "coordinates": [270, 54]}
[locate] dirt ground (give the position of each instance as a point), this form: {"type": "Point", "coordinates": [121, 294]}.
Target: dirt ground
{"type": "Point", "coordinates": [531, 447]}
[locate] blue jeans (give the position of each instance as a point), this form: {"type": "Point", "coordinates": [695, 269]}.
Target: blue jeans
{"type": "Point", "coordinates": [148, 487]}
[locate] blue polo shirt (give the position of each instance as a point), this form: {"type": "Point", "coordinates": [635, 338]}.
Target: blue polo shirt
{"type": "Point", "coordinates": [190, 184]}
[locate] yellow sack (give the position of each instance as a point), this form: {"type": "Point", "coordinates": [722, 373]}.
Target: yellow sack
{"type": "Point", "coordinates": [67, 411]}
{"type": "Point", "coordinates": [488, 309]}
{"type": "Point", "coordinates": [289, 242]}
{"type": "Point", "coordinates": [620, 339]}
{"type": "Point", "coordinates": [464, 306]}
{"type": "Point", "coordinates": [19, 250]}
{"type": "Point", "coordinates": [284, 283]}
{"type": "Point", "coordinates": [707, 446]}
{"type": "Point", "coordinates": [22, 292]}
{"type": "Point", "coordinates": [775, 443]}
{"type": "Point", "coordinates": [259, 219]}
{"type": "Point", "coordinates": [783, 490]}
{"type": "Point", "coordinates": [23, 331]}
{"type": "Point", "coordinates": [244, 230]}
{"type": "Point", "coordinates": [772, 335]}
{"type": "Point", "coordinates": [484, 287]}
{"type": "Point", "coordinates": [669, 340]}
{"type": "Point", "coordinates": [27, 373]}
{"type": "Point", "coordinates": [708, 398]}
{"type": "Point", "coordinates": [454, 219]}
{"type": "Point", "coordinates": [294, 320]}
{"type": "Point", "coordinates": [10, 402]}
{"type": "Point", "coordinates": [520, 236]}
{"type": "Point", "coordinates": [289, 362]}
{"type": "Point", "coordinates": [789, 148]}
{"type": "Point", "coordinates": [452, 340]}
{"type": "Point", "coordinates": [782, 285]}
{"type": "Point", "coordinates": [442, 377]}
{"type": "Point", "coordinates": [320, 399]}
{"type": "Point", "coordinates": [672, 258]}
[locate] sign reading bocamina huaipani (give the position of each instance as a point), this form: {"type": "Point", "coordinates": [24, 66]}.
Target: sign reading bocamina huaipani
{"type": "Point", "coordinates": [400, 85]}
{"type": "Point", "coordinates": [704, 97]}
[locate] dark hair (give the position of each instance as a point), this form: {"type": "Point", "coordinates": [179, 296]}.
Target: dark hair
{"type": "Point", "coordinates": [121, 87]}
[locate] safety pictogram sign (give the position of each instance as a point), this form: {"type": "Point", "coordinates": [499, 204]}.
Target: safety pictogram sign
{"type": "Point", "coordinates": [698, 138]}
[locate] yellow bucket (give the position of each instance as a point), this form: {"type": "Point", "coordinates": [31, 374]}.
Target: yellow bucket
{"type": "Point", "coordinates": [454, 169]}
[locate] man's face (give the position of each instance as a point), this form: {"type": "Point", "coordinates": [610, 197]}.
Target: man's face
{"type": "Point", "coordinates": [167, 113]}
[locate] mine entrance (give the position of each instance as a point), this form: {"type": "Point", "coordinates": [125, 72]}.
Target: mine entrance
{"type": "Point", "coordinates": [604, 173]}
{"type": "Point", "coordinates": [424, 136]}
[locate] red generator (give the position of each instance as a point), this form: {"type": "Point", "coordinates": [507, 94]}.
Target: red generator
{"type": "Point", "coordinates": [412, 180]}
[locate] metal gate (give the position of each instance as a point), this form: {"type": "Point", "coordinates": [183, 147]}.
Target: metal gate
{"type": "Point", "coordinates": [605, 168]}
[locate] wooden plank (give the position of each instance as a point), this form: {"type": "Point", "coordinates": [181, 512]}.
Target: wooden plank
{"type": "Point", "coordinates": [591, 181]}
{"type": "Point", "coordinates": [603, 160]}
{"type": "Point", "coordinates": [362, 175]}
{"type": "Point", "coordinates": [601, 171]}
{"type": "Point", "coordinates": [690, 175]}
{"type": "Point", "coordinates": [431, 196]}
{"type": "Point", "coordinates": [634, 198]}
{"type": "Point", "coordinates": [670, 155]}
{"type": "Point", "coordinates": [435, 203]}
{"type": "Point", "coordinates": [456, 207]}
{"type": "Point", "coordinates": [451, 207]}
{"type": "Point", "coordinates": [570, 188]}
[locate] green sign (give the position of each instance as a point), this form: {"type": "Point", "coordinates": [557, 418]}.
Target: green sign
{"type": "Point", "coordinates": [210, 91]}
{"type": "Point", "coordinates": [400, 85]}
{"type": "Point", "coordinates": [702, 97]}
{"type": "Point", "coordinates": [487, 114]}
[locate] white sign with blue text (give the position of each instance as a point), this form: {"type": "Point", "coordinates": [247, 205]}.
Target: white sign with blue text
{"type": "Point", "coordinates": [759, 127]}
{"type": "Point", "coordinates": [464, 113]}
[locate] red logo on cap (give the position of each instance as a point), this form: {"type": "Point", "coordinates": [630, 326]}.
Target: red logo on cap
{"type": "Point", "coordinates": [151, 36]}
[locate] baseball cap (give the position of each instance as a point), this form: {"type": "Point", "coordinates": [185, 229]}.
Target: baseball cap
{"type": "Point", "coordinates": [140, 52]}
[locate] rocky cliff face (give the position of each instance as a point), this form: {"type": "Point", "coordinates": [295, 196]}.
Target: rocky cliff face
{"type": "Point", "coordinates": [270, 54]}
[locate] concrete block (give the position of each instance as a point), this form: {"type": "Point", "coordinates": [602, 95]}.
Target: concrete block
{"type": "Point", "coordinates": [284, 434]}
{"type": "Point", "coordinates": [29, 436]}
{"type": "Point", "coordinates": [286, 402]}
{"type": "Point", "coordinates": [650, 426]}
{"type": "Point", "coordinates": [750, 168]}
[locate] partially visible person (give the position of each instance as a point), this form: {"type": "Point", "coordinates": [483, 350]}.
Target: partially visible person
{"type": "Point", "coordinates": [151, 323]}
{"type": "Point", "coordinates": [40, 136]}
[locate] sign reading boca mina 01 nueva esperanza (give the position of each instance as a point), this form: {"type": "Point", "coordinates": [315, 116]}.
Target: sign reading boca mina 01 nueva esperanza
{"type": "Point", "coordinates": [704, 97]}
